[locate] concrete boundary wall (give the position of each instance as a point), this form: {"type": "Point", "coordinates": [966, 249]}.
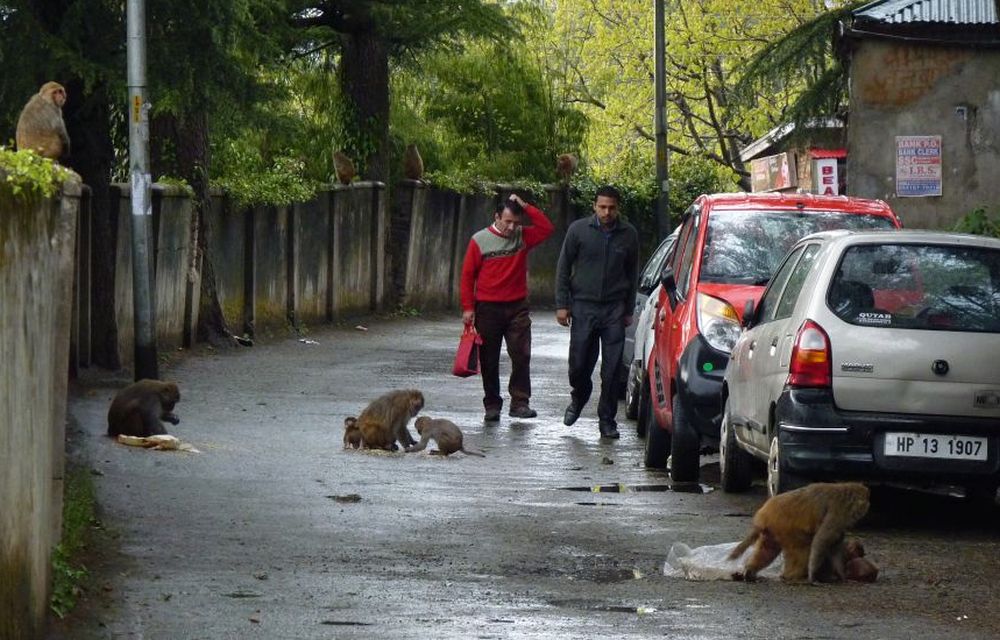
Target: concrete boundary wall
{"type": "Point", "coordinates": [36, 286]}
{"type": "Point", "coordinates": [281, 268]}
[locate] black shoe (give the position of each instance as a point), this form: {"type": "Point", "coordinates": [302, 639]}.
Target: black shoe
{"type": "Point", "coordinates": [609, 431]}
{"type": "Point", "coordinates": [572, 413]}
{"type": "Point", "coordinates": [523, 411]}
{"type": "Point", "coordinates": [492, 415]}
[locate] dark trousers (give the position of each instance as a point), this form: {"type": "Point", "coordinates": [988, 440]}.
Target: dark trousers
{"type": "Point", "coordinates": [508, 322]}
{"type": "Point", "coordinates": [596, 327]}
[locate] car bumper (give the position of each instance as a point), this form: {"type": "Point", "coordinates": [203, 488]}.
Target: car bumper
{"type": "Point", "coordinates": [699, 386]}
{"type": "Point", "coordinates": [822, 442]}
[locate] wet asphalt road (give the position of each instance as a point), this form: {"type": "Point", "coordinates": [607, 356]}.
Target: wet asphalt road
{"type": "Point", "coordinates": [253, 537]}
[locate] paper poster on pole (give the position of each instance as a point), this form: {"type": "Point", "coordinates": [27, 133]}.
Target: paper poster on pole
{"type": "Point", "coordinates": [918, 166]}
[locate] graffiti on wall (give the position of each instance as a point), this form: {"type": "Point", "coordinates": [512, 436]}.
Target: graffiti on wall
{"type": "Point", "coordinates": [902, 74]}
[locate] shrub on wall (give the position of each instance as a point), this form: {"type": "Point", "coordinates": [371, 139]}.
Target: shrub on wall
{"type": "Point", "coordinates": [978, 222]}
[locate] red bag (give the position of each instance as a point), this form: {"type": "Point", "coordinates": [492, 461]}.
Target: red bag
{"type": "Point", "coordinates": [467, 358]}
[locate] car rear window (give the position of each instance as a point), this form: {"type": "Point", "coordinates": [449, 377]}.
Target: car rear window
{"type": "Point", "coordinates": [918, 286]}
{"type": "Point", "coordinates": [745, 247]}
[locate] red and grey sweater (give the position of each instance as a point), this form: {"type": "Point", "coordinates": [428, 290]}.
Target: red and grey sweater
{"type": "Point", "coordinates": [496, 268]}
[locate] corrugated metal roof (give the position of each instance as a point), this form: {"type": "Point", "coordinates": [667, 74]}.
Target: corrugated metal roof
{"type": "Point", "coordinates": [963, 12]}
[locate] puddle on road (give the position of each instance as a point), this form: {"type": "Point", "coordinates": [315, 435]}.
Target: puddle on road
{"type": "Point", "coordinates": [586, 605]}
{"type": "Point", "coordinates": [608, 575]}
{"type": "Point", "coordinates": [599, 504]}
{"type": "Point", "coordinates": [242, 594]}
{"type": "Point", "coordinates": [639, 488]}
{"type": "Point", "coordinates": [346, 623]}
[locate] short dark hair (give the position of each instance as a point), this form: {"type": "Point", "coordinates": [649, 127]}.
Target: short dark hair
{"type": "Point", "coordinates": [514, 206]}
{"type": "Point", "coordinates": [609, 192]}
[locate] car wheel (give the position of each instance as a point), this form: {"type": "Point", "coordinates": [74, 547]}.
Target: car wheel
{"type": "Point", "coordinates": [779, 479]}
{"type": "Point", "coordinates": [982, 495]}
{"type": "Point", "coordinates": [632, 387]}
{"type": "Point", "coordinates": [685, 449]}
{"type": "Point", "coordinates": [735, 464]}
{"type": "Point", "coordinates": [657, 439]}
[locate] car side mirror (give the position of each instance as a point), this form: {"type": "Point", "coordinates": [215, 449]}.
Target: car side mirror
{"type": "Point", "coordinates": [748, 310]}
{"type": "Point", "coordinates": [668, 280]}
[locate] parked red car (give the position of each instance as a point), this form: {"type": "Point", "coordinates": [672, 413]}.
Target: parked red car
{"type": "Point", "coordinates": [729, 246]}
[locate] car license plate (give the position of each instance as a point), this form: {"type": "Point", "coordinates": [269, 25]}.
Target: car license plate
{"type": "Point", "coordinates": [928, 445]}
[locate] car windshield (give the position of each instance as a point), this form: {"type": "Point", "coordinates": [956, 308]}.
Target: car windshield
{"type": "Point", "coordinates": [745, 247]}
{"type": "Point", "coordinates": [911, 286]}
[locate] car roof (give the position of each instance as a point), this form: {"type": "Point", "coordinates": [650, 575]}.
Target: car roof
{"type": "Point", "coordinates": [844, 237]}
{"type": "Point", "coordinates": [796, 201]}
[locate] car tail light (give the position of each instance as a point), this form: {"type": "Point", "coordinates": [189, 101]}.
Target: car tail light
{"type": "Point", "coordinates": [718, 322]}
{"type": "Point", "coordinates": [810, 365]}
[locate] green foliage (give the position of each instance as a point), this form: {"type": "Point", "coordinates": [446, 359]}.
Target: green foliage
{"type": "Point", "coordinates": [978, 222]}
{"type": "Point", "coordinates": [79, 516]}
{"type": "Point", "coordinates": [26, 174]}
{"type": "Point", "coordinates": [277, 181]}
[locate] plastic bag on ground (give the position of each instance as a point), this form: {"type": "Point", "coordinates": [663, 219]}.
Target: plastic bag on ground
{"type": "Point", "coordinates": [712, 562]}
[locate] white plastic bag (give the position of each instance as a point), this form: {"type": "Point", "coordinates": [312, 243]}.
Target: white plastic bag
{"type": "Point", "coordinates": [712, 562]}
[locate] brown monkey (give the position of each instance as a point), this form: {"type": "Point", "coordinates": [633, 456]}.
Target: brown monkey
{"type": "Point", "coordinates": [138, 408]}
{"type": "Point", "coordinates": [40, 126]}
{"type": "Point", "coordinates": [383, 422]}
{"type": "Point", "coordinates": [343, 167]}
{"type": "Point", "coordinates": [565, 166]}
{"type": "Point", "coordinates": [857, 566]}
{"type": "Point", "coordinates": [807, 524]}
{"type": "Point", "coordinates": [352, 434]}
{"type": "Point", "coordinates": [413, 164]}
{"type": "Point", "coordinates": [445, 433]}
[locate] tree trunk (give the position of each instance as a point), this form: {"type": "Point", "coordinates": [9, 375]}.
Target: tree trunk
{"type": "Point", "coordinates": [364, 81]}
{"type": "Point", "coordinates": [180, 148]}
{"type": "Point", "coordinates": [88, 122]}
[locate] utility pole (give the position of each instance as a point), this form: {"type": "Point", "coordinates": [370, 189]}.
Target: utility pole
{"type": "Point", "coordinates": [143, 306]}
{"type": "Point", "coordinates": [662, 152]}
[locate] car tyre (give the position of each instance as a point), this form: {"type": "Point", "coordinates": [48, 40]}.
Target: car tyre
{"type": "Point", "coordinates": [632, 390]}
{"type": "Point", "coordinates": [735, 464]}
{"type": "Point", "coordinates": [657, 444]}
{"type": "Point", "coordinates": [685, 449]}
{"type": "Point", "coordinates": [979, 495]}
{"type": "Point", "coordinates": [779, 479]}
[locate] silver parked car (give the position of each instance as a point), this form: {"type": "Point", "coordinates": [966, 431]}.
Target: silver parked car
{"type": "Point", "coordinates": [873, 356]}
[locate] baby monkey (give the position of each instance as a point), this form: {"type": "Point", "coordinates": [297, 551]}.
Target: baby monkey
{"type": "Point", "coordinates": [352, 434]}
{"type": "Point", "coordinates": [445, 433]}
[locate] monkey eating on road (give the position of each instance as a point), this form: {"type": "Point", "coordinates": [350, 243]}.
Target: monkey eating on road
{"type": "Point", "coordinates": [384, 420]}
{"type": "Point", "coordinates": [445, 433]}
{"type": "Point", "coordinates": [40, 126]}
{"type": "Point", "coordinates": [352, 434]}
{"type": "Point", "coordinates": [808, 526]}
{"type": "Point", "coordinates": [138, 409]}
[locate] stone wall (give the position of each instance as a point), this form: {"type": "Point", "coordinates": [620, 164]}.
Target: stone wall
{"type": "Point", "coordinates": [36, 287]}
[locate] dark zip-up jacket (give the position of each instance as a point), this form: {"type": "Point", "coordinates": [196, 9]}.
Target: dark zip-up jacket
{"type": "Point", "coordinates": [595, 266]}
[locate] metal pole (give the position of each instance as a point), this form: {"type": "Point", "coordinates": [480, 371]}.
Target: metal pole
{"type": "Point", "coordinates": [141, 187]}
{"type": "Point", "coordinates": [660, 118]}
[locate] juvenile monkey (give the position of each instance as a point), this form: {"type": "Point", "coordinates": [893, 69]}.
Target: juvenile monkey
{"type": "Point", "coordinates": [445, 433]}
{"type": "Point", "coordinates": [343, 167]}
{"type": "Point", "coordinates": [383, 422]}
{"type": "Point", "coordinates": [413, 164]}
{"type": "Point", "coordinates": [138, 408]}
{"type": "Point", "coordinates": [352, 434]}
{"type": "Point", "coordinates": [40, 126]}
{"type": "Point", "coordinates": [808, 525]}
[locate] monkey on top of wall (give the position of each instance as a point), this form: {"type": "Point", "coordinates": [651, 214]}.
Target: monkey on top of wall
{"type": "Point", "coordinates": [808, 526]}
{"type": "Point", "coordinates": [413, 164]}
{"type": "Point", "coordinates": [566, 165]}
{"type": "Point", "coordinates": [343, 167]}
{"type": "Point", "coordinates": [384, 420]}
{"type": "Point", "coordinates": [40, 126]}
{"type": "Point", "coordinates": [138, 409]}
{"type": "Point", "coordinates": [445, 433]}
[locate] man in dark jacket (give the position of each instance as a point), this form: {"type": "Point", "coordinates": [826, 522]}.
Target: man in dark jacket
{"type": "Point", "coordinates": [595, 293]}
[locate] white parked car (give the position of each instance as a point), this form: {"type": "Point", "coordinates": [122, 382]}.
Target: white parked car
{"type": "Point", "coordinates": [871, 356]}
{"type": "Point", "coordinates": [637, 369]}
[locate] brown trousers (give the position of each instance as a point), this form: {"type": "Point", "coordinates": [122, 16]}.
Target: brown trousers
{"type": "Point", "coordinates": [509, 322]}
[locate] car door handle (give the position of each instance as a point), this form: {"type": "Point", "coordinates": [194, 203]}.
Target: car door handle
{"type": "Point", "coordinates": [774, 343]}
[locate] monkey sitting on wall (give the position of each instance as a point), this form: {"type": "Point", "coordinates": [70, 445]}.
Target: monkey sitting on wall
{"type": "Point", "coordinates": [445, 433]}
{"type": "Point", "coordinates": [566, 165]}
{"type": "Point", "coordinates": [808, 526]}
{"type": "Point", "coordinates": [352, 434]}
{"type": "Point", "coordinates": [384, 420]}
{"type": "Point", "coordinates": [40, 126]}
{"type": "Point", "coordinates": [413, 164]}
{"type": "Point", "coordinates": [343, 167]}
{"type": "Point", "coordinates": [138, 409]}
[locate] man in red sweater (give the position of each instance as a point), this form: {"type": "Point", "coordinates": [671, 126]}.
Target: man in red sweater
{"type": "Point", "coordinates": [495, 299]}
